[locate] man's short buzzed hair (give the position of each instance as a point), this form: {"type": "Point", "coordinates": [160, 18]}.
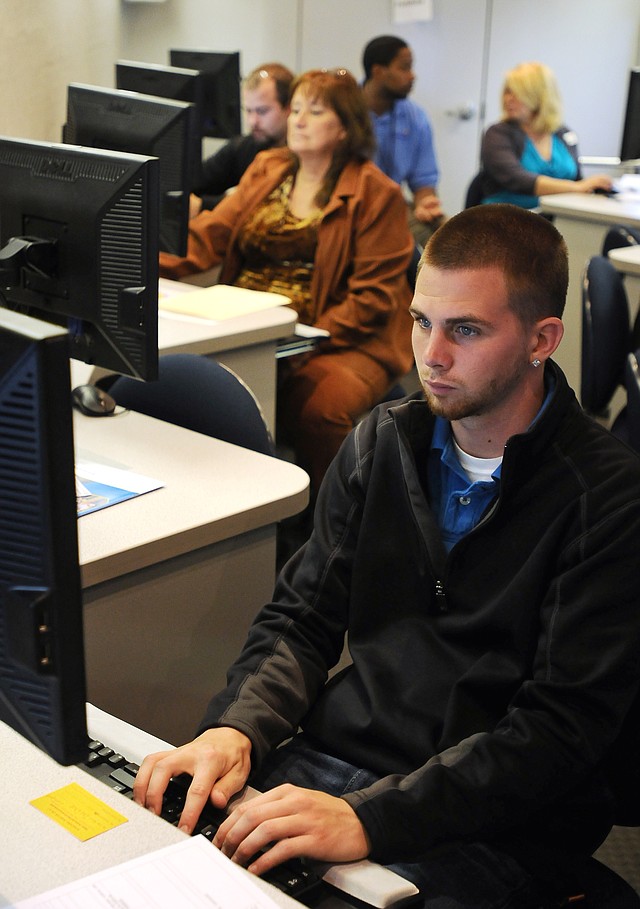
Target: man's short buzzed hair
{"type": "Point", "coordinates": [281, 75]}
{"type": "Point", "coordinates": [524, 245]}
{"type": "Point", "coordinates": [381, 51]}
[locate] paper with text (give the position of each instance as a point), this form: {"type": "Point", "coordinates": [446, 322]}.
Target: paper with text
{"type": "Point", "coordinates": [192, 874]}
{"type": "Point", "coordinates": [78, 811]}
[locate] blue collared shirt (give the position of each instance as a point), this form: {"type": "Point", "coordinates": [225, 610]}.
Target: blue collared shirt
{"type": "Point", "coordinates": [458, 503]}
{"type": "Point", "coordinates": [404, 145]}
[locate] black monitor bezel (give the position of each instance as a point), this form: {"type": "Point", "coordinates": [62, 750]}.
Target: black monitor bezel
{"type": "Point", "coordinates": [630, 142]}
{"type": "Point", "coordinates": [222, 106]}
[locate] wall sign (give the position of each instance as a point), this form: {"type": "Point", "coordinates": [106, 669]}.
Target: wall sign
{"type": "Point", "coordinates": [412, 10]}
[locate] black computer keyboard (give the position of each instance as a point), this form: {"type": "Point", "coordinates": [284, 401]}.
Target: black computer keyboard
{"type": "Point", "coordinates": [295, 878]}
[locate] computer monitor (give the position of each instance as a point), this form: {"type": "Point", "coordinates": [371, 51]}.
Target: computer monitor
{"type": "Point", "coordinates": [42, 675]}
{"type": "Point", "coordinates": [630, 147]}
{"type": "Point", "coordinates": [221, 88]}
{"type": "Point", "coordinates": [79, 248]}
{"type": "Point", "coordinates": [174, 82]}
{"type": "Point", "coordinates": [145, 125]}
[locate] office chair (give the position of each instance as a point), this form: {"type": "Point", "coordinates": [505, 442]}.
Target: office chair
{"type": "Point", "coordinates": [626, 425]}
{"type": "Point", "coordinates": [412, 270]}
{"type": "Point", "coordinates": [605, 335]}
{"type": "Point", "coordinates": [619, 236]}
{"type": "Point", "coordinates": [475, 191]}
{"type": "Point", "coordinates": [200, 394]}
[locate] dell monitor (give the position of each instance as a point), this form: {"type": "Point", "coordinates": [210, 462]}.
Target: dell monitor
{"type": "Point", "coordinates": [145, 125]}
{"type": "Point", "coordinates": [174, 82]}
{"type": "Point", "coordinates": [221, 89]}
{"type": "Point", "coordinates": [42, 676]}
{"type": "Point", "coordinates": [79, 248]}
{"type": "Point", "coordinates": [630, 147]}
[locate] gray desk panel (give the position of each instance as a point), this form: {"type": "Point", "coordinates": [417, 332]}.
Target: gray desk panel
{"type": "Point", "coordinates": [173, 579]}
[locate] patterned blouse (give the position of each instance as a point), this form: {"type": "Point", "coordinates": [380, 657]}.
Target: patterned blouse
{"type": "Point", "coordinates": [279, 250]}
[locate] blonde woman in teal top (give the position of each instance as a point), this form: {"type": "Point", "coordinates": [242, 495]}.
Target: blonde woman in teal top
{"type": "Point", "coordinates": [530, 153]}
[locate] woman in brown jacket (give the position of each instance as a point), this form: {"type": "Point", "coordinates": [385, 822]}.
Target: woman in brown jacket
{"type": "Point", "coordinates": [318, 222]}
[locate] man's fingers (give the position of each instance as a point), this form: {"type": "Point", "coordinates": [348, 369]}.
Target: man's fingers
{"type": "Point", "coordinates": [151, 781]}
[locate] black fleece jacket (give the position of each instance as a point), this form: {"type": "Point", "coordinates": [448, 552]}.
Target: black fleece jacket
{"type": "Point", "coordinates": [487, 685]}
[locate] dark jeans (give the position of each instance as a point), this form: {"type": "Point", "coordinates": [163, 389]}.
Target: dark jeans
{"type": "Point", "coordinates": [460, 876]}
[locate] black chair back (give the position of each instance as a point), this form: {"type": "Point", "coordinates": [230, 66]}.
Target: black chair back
{"type": "Point", "coordinates": [619, 236]}
{"type": "Point", "coordinates": [605, 334]}
{"type": "Point", "coordinates": [475, 191]}
{"type": "Point", "coordinates": [412, 270]}
{"type": "Point", "coordinates": [200, 394]}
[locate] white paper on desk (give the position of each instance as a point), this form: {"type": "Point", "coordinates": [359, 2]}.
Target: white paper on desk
{"type": "Point", "coordinates": [191, 874]}
{"type": "Point", "coordinates": [220, 302]}
{"type": "Point", "coordinates": [310, 331]}
{"type": "Point", "coordinates": [627, 187]}
{"type": "Point", "coordinates": [99, 485]}
{"type": "Point", "coordinates": [628, 183]}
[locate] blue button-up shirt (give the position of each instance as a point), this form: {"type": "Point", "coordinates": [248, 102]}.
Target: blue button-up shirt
{"type": "Point", "coordinates": [404, 145]}
{"type": "Point", "coordinates": [458, 503]}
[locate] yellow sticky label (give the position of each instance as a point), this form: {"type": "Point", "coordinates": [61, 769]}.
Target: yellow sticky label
{"type": "Point", "coordinates": [78, 811]}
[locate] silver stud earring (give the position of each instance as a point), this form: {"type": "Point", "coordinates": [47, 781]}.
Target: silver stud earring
{"type": "Point", "coordinates": [536, 362]}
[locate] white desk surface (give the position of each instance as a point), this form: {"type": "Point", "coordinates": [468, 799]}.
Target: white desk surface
{"type": "Point", "coordinates": [181, 334]}
{"type": "Point", "coordinates": [213, 491]}
{"type": "Point", "coordinates": [626, 259]}
{"type": "Point", "coordinates": [37, 854]}
{"type": "Point", "coordinates": [592, 207]}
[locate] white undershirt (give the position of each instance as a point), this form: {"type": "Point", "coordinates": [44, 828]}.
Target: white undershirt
{"type": "Point", "coordinates": [476, 468]}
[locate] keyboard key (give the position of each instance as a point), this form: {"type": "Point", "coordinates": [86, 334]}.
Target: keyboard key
{"type": "Point", "coordinates": [116, 760]}
{"type": "Point", "coordinates": [293, 878]}
{"type": "Point", "coordinates": [121, 775]}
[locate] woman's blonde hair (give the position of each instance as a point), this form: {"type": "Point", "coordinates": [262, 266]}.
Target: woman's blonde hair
{"type": "Point", "coordinates": [534, 84]}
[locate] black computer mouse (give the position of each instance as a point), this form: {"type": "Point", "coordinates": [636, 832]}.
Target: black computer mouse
{"type": "Point", "coordinates": [93, 401]}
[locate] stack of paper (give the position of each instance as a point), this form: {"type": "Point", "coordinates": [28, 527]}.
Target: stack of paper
{"type": "Point", "coordinates": [191, 874]}
{"type": "Point", "coordinates": [221, 301]}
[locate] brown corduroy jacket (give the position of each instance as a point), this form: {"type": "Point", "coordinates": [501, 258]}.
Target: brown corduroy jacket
{"type": "Point", "coordinates": [359, 284]}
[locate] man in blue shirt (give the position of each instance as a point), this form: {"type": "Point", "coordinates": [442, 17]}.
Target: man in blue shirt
{"type": "Point", "coordinates": [478, 544]}
{"type": "Point", "coordinates": [403, 132]}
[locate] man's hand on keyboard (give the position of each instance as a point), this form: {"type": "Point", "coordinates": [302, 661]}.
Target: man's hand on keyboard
{"type": "Point", "coordinates": [288, 822]}
{"type": "Point", "coordinates": [219, 761]}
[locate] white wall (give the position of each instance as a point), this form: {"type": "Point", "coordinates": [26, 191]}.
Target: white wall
{"type": "Point", "coordinates": [460, 55]}
{"type": "Point", "coordinates": [45, 45]}
{"type": "Point", "coordinates": [261, 30]}
{"type": "Point", "coordinates": [590, 45]}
